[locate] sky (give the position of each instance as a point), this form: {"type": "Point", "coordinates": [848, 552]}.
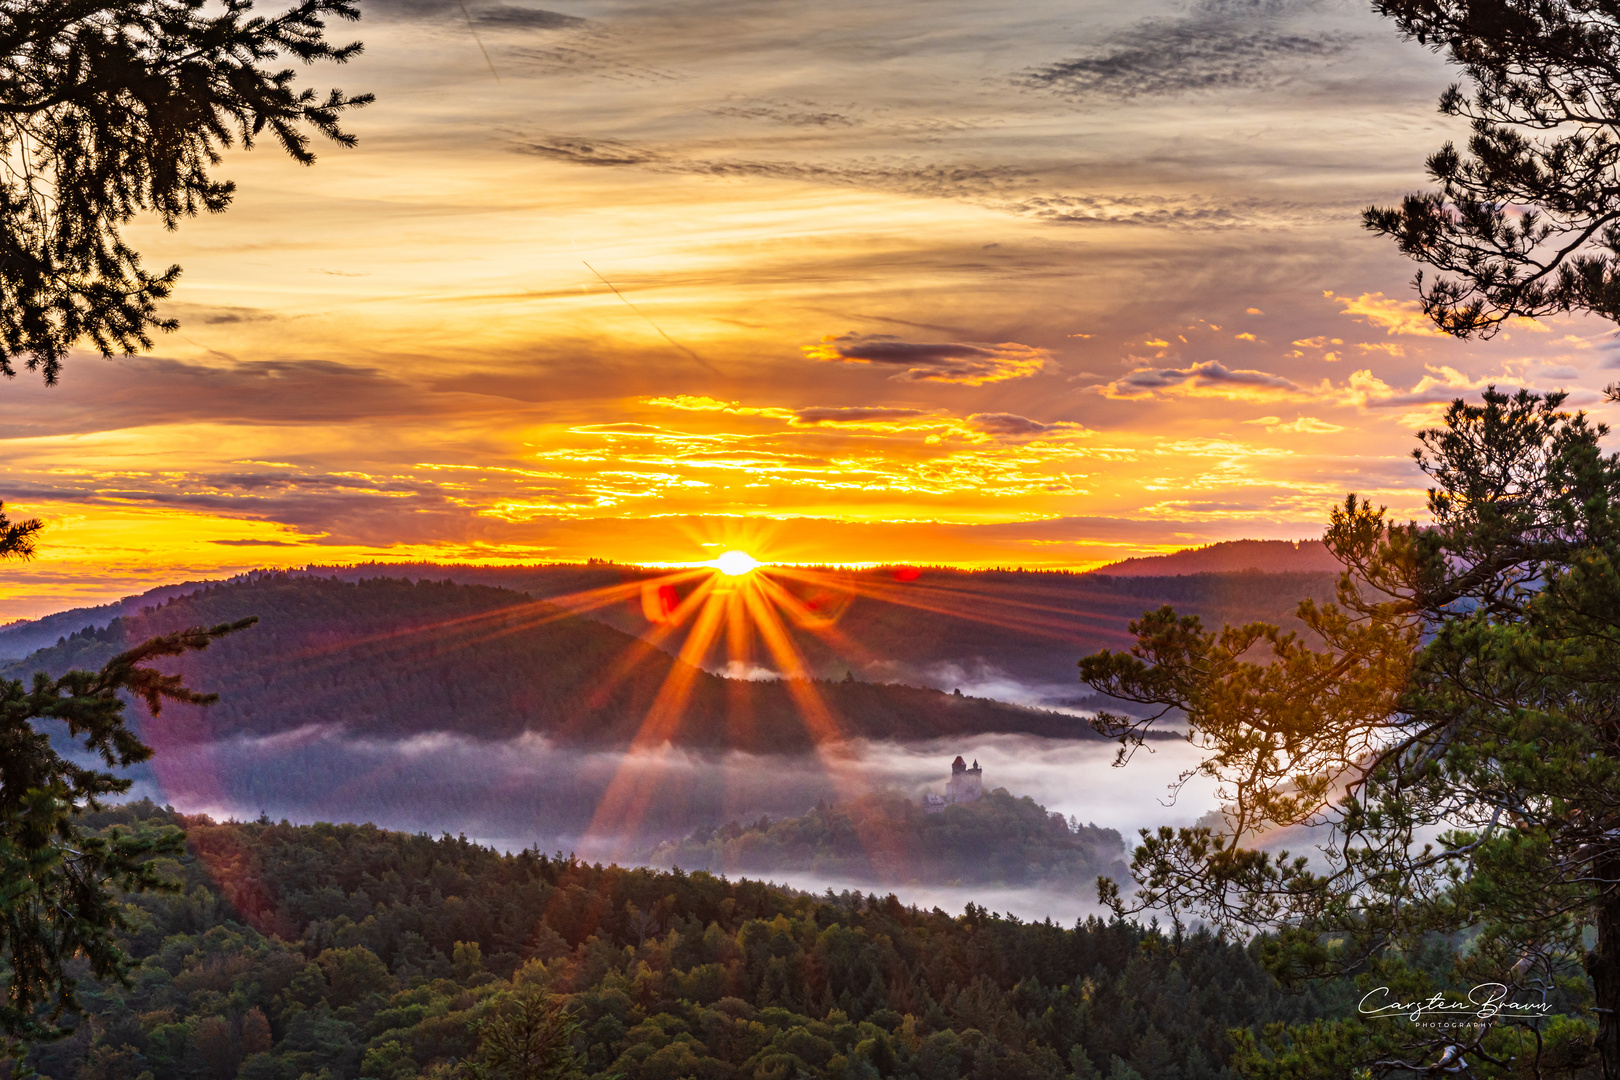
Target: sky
{"type": "Point", "coordinates": [1044, 285]}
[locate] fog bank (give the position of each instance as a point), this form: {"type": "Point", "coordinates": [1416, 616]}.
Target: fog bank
{"type": "Point", "coordinates": [530, 791]}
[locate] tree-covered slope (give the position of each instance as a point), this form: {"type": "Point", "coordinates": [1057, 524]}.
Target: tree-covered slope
{"type": "Point", "coordinates": [391, 657]}
{"type": "Point", "coordinates": [343, 951]}
{"type": "Point", "coordinates": [934, 625]}
{"type": "Point", "coordinates": [916, 623]}
{"type": "Point", "coordinates": [996, 840]}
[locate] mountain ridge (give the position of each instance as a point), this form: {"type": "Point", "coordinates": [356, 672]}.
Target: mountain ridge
{"type": "Point", "coordinates": [395, 658]}
{"type": "Point", "coordinates": [1010, 635]}
{"type": "Point", "coordinates": [1231, 556]}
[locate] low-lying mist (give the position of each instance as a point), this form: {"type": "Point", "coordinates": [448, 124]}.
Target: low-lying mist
{"type": "Point", "coordinates": [527, 791]}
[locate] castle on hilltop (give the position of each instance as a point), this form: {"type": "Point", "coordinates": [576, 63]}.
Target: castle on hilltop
{"type": "Point", "coordinates": [965, 785]}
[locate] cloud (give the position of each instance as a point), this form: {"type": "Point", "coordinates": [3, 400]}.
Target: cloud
{"type": "Point", "coordinates": [1306, 425]}
{"type": "Point", "coordinates": [651, 430]}
{"type": "Point", "coordinates": [1185, 211]}
{"type": "Point", "coordinates": [1440, 385]}
{"type": "Point", "coordinates": [1388, 314]}
{"type": "Point", "coordinates": [1208, 375]}
{"type": "Point", "coordinates": [946, 180]}
{"type": "Point", "coordinates": [494, 16]}
{"type": "Point", "coordinates": [331, 509]}
{"type": "Point", "coordinates": [255, 543]}
{"type": "Point", "coordinates": [853, 414]}
{"type": "Point", "coordinates": [1012, 426]}
{"type": "Point", "coordinates": [1218, 46]}
{"type": "Point", "coordinates": [605, 152]}
{"type": "Point", "coordinates": [510, 16]}
{"type": "Point", "coordinates": [145, 391]}
{"type": "Point", "coordinates": [704, 403]}
{"type": "Point", "coordinates": [787, 115]}
{"type": "Point", "coordinates": [965, 363]}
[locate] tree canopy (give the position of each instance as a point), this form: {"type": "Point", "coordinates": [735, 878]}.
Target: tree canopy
{"type": "Point", "coordinates": [354, 952]}
{"type": "Point", "coordinates": [886, 836]}
{"type": "Point", "coordinates": [1526, 220]}
{"type": "Point", "coordinates": [59, 885]}
{"type": "Point", "coordinates": [1452, 721]}
{"type": "Point", "coordinates": [114, 108]}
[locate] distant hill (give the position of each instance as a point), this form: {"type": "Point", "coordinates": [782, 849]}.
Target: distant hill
{"type": "Point", "coordinates": [941, 626]}
{"type": "Point", "coordinates": [994, 633]}
{"type": "Point", "coordinates": [393, 658]}
{"type": "Point", "coordinates": [999, 839]}
{"type": "Point", "coordinates": [1232, 556]}
{"type": "Point", "coordinates": [22, 638]}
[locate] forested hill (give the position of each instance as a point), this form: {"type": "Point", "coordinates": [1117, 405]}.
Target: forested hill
{"type": "Point", "coordinates": [932, 626]}
{"type": "Point", "coordinates": [937, 625]}
{"type": "Point", "coordinates": [392, 657]}
{"type": "Point", "coordinates": [344, 951]}
{"type": "Point", "coordinates": [1233, 556]}
{"type": "Point", "coordinates": [996, 840]}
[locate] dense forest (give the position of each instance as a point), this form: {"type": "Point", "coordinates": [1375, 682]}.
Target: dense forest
{"type": "Point", "coordinates": [331, 952]}
{"type": "Point", "coordinates": [914, 623]}
{"type": "Point", "coordinates": [998, 839]}
{"type": "Point", "coordinates": [927, 625]}
{"type": "Point", "coordinates": [392, 657]}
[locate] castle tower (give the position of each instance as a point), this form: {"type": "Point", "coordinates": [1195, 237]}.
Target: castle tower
{"type": "Point", "coordinates": [965, 785]}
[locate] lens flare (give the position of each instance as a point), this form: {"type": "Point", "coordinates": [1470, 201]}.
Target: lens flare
{"type": "Point", "coordinates": [735, 563]}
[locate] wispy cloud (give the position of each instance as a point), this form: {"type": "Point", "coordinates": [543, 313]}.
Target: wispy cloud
{"type": "Point", "coordinates": [1218, 45]}
{"type": "Point", "coordinates": [953, 180]}
{"type": "Point", "coordinates": [965, 363]}
{"type": "Point", "coordinates": [853, 414]}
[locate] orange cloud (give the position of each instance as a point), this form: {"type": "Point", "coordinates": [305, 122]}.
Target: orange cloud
{"type": "Point", "coordinates": [859, 414]}
{"type": "Point", "coordinates": [1306, 425]}
{"type": "Point", "coordinates": [1390, 315]}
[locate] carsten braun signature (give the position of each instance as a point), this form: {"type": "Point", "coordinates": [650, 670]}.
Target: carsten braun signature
{"type": "Point", "coordinates": [1485, 1001]}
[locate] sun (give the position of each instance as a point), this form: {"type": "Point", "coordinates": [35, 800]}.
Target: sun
{"type": "Point", "coordinates": [735, 563]}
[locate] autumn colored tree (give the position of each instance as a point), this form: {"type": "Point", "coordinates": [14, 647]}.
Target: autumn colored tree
{"type": "Point", "coordinates": [1452, 725]}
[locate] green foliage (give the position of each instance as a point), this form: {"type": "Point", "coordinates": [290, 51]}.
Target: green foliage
{"type": "Point", "coordinates": [607, 971]}
{"type": "Point", "coordinates": [17, 539]}
{"type": "Point", "coordinates": [526, 1036]}
{"type": "Point", "coordinates": [57, 900]}
{"type": "Point", "coordinates": [1454, 721]}
{"type": "Point", "coordinates": [119, 107]}
{"type": "Point", "coordinates": [997, 839]}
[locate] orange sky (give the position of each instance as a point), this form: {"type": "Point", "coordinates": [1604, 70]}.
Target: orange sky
{"type": "Point", "coordinates": [936, 282]}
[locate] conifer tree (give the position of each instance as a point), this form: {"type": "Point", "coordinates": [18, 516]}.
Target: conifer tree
{"type": "Point", "coordinates": [115, 108]}
{"type": "Point", "coordinates": [1526, 218]}
{"type": "Point", "coordinates": [58, 885]}
{"type": "Point", "coordinates": [1454, 718]}
{"type": "Point", "coordinates": [526, 1036]}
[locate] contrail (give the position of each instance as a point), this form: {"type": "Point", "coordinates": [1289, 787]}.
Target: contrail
{"type": "Point", "coordinates": [701, 362]}
{"type": "Point", "coordinates": [479, 41]}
